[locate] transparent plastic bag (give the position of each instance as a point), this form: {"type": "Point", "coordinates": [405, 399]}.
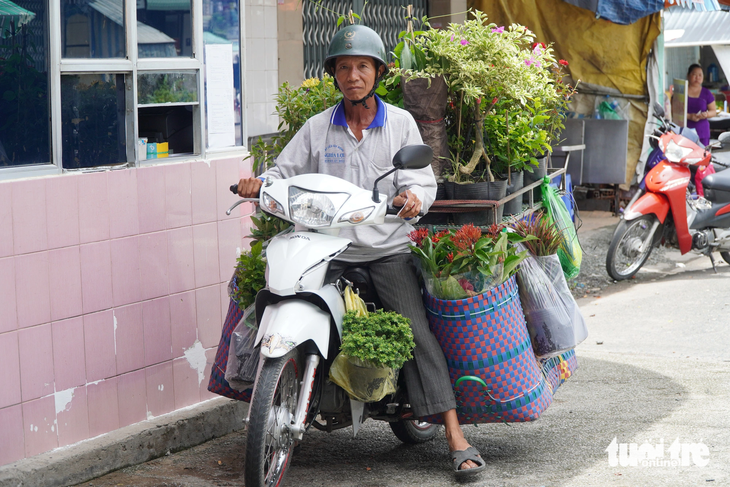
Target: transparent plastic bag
{"type": "Point", "coordinates": [243, 357]}
{"type": "Point", "coordinates": [569, 253]}
{"type": "Point", "coordinates": [461, 286]}
{"type": "Point", "coordinates": [362, 381]}
{"type": "Point", "coordinates": [553, 318]}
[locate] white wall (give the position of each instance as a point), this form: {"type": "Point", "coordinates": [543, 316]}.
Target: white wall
{"type": "Point", "coordinates": [261, 66]}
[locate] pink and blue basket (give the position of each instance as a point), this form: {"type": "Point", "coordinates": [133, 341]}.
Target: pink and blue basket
{"type": "Point", "coordinates": [218, 383]}
{"type": "Point", "coordinates": [493, 369]}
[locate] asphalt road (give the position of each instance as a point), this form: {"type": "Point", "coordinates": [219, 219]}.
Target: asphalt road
{"type": "Point", "coordinates": [654, 371]}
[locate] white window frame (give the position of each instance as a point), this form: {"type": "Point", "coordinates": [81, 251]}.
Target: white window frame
{"type": "Point", "coordinates": [131, 66]}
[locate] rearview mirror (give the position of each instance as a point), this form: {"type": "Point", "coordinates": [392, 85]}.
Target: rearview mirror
{"type": "Point", "coordinates": [658, 110]}
{"type": "Point", "coordinates": [415, 156]}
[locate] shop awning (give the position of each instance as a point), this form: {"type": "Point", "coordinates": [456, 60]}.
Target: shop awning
{"type": "Point", "coordinates": [692, 28]}
{"type": "Point", "coordinates": [685, 28]}
{"type": "Point", "coordinates": [12, 17]}
{"type": "Point", "coordinates": [626, 12]}
{"type": "Point", "coordinates": [112, 9]}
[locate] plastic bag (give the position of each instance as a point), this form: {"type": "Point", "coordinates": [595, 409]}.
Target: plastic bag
{"type": "Point", "coordinates": [362, 381]}
{"type": "Point", "coordinates": [553, 318]}
{"type": "Point", "coordinates": [461, 286]}
{"type": "Point", "coordinates": [609, 108]}
{"type": "Point", "coordinates": [569, 253]}
{"type": "Point", "coordinates": [243, 357]}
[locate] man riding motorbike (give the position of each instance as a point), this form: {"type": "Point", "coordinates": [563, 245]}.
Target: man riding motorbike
{"type": "Point", "coordinates": [356, 141]}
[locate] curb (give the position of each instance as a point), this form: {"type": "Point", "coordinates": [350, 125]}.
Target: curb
{"type": "Point", "coordinates": [131, 445]}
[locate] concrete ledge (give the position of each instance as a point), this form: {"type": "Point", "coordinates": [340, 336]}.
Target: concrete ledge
{"type": "Point", "coordinates": [132, 445]}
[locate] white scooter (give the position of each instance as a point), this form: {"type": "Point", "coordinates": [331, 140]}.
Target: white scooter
{"type": "Point", "coordinates": [300, 320]}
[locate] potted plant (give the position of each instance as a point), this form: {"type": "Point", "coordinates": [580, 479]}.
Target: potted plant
{"type": "Point", "coordinates": [506, 100]}
{"type": "Point", "coordinates": [458, 264]}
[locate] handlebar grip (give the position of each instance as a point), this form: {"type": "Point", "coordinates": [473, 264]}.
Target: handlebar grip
{"type": "Point", "coordinates": [234, 188]}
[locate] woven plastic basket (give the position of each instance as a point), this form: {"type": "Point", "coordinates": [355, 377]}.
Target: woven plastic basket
{"type": "Point", "coordinates": [218, 383]}
{"type": "Point", "coordinates": [493, 369]}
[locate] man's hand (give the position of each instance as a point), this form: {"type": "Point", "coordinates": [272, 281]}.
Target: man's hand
{"type": "Point", "coordinates": [249, 187]}
{"type": "Point", "coordinates": [410, 203]}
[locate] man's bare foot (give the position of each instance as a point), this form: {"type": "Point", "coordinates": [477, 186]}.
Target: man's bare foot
{"type": "Point", "coordinates": [455, 437]}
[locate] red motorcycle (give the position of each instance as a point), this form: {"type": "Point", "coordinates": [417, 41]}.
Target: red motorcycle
{"type": "Point", "coordinates": [667, 210]}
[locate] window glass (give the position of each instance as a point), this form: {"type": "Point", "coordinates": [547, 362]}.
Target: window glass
{"type": "Point", "coordinates": [24, 93]}
{"type": "Point", "coordinates": [223, 72]}
{"type": "Point", "coordinates": [164, 28]}
{"type": "Point", "coordinates": [167, 87]}
{"type": "Point", "coordinates": [93, 120]}
{"type": "Point", "coordinates": [165, 131]}
{"type": "Point", "coordinates": [93, 29]}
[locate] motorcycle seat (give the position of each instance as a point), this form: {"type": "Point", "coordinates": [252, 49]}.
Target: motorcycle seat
{"type": "Point", "coordinates": [719, 181]}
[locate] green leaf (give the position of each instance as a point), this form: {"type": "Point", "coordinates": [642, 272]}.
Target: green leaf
{"type": "Point", "coordinates": [406, 58]}
{"type": "Point", "coordinates": [340, 19]}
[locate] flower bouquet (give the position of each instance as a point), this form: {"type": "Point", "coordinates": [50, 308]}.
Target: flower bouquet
{"type": "Point", "coordinates": [458, 264]}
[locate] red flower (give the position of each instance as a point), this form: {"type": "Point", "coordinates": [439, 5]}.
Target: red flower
{"type": "Point", "coordinates": [541, 44]}
{"type": "Point", "coordinates": [417, 236]}
{"type": "Point", "coordinates": [466, 236]}
{"type": "Point", "coordinates": [439, 236]}
{"type": "Point", "coordinates": [450, 257]}
{"type": "Point", "coordinates": [563, 62]}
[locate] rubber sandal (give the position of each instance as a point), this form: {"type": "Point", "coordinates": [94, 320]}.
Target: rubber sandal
{"type": "Point", "coordinates": [460, 456]}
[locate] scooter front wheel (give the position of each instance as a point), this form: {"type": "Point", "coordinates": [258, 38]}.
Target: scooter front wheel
{"type": "Point", "coordinates": [413, 432]}
{"type": "Point", "coordinates": [269, 441]}
{"type": "Point", "coordinates": [630, 247]}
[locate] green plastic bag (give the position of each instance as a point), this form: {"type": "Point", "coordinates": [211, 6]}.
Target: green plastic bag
{"type": "Point", "coordinates": [569, 253]}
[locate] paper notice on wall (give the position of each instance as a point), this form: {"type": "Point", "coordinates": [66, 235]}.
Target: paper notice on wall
{"type": "Point", "coordinates": [220, 95]}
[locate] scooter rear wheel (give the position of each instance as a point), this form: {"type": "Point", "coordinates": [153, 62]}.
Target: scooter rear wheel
{"type": "Point", "coordinates": [725, 256]}
{"type": "Point", "coordinates": [413, 432]}
{"type": "Point", "coordinates": [269, 442]}
{"type": "Point", "coordinates": [625, 257]}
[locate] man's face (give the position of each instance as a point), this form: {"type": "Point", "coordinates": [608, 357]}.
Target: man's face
{"type": "Point", "coordinates": [355, 75]}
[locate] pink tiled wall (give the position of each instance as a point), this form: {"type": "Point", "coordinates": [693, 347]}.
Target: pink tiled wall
{"type": "Point", "coordinates": [106, 280]}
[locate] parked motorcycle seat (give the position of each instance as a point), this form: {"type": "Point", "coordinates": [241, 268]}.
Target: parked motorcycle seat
{"type": "Point", "coordinates": [719, 181]}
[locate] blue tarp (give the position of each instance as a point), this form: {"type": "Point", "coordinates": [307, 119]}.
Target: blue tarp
{"type": "Point", "coordinates": [626, 12]}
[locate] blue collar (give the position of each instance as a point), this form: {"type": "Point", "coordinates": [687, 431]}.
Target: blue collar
{"type": "Point", "coordinates": [338, 116]}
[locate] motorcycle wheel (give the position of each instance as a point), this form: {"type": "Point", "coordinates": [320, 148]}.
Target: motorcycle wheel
{"type": "Point", "coordinates": [725, 256]}
{"type": "Point", "coordinates": [269, 443]}
{"type": "Point", "coordinates": [413, 432]}
{"type": "Point", "coordinates": [624, 258]}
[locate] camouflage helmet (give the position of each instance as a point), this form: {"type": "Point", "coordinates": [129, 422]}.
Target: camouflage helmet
{"type": "Point", "coordinates": [355, 40]}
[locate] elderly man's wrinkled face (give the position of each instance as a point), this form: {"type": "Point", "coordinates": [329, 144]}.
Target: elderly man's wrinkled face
{"type": "Point", "coordinates": [355, 75]}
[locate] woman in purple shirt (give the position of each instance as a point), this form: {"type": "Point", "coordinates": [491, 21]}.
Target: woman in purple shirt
{"type": "Point", "coordinates": [700, 104]}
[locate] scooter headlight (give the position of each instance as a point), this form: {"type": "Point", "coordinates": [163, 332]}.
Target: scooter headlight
{"type": "Point", "coordinates": [313, 209]}
{"type": "Point", "coordinates": [675, 153]}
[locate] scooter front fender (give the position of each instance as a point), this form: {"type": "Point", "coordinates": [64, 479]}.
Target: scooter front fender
{"type": "Point", "coordinates": [649, 203]}
{"type": "Point", "coordinates": [288, 324]}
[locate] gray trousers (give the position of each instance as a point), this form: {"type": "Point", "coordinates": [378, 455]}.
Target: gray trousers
{"type": "Point", "coordinates": [427, 376]}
